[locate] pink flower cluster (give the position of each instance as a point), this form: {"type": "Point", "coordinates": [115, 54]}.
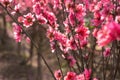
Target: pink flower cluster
{"type": "Point", "coordinates": [107, 24]}
{"type": "Point", "coordinates": [17, 32]}
{"type": "Point", "coordinates": [109, 32]}
{"type": "Point", "coordinates": [73, 76]}
{"type": "Point", "coordinates": [83, 76]}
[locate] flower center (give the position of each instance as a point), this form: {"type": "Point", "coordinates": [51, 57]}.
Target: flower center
{"type": "Point", "coordinates": [29, 20]}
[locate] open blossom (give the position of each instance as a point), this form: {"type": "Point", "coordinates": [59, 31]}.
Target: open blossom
{"type": "Point", "coordinates": [17, 32]}
{"type": "Point", "coordinates": [58, 74]}
{"type": "Point", "coordinates": [82, 32]}
{"type": "Point", "coordinates": [70, 76]}
{"type": "Point", "coordinates": [28, 20]}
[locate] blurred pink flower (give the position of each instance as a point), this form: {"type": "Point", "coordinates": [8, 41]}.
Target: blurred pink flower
{"type": "Point", "coordinates": [117, 19]}
{"type": "Point", "coordinates": [80, 77]}
{"type": "Point", "coordinates": [87, 74]}
{"type": "Point", "coordinates": [70, 76]}
{"type": "Point", "coordinates": [6, 2]}
{"type": "Point", "coordinates": [58, 74]}
{"type": "Point", "coordinates": [71, 61]}
{"type": "Point", "coordinates": [103, 37]}
{"type": "Point", "coordinates": [106, 53]}
{"type": "Point", "coordinates": [20, 19]}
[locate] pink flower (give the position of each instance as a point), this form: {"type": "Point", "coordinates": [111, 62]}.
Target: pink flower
{"type": "Point", "coordinates": [17, 7]}
{"type": "Point", "coordinates": [36, 1]}
{"type": "Point", "coordinates": [72, 18]}
{"type": "Point", "coordinates": [97, 15]}
{"type": "Point", "coordinates": [20, 19]}
{"type": "Point", "coordinates": [50, 17]}
{"type": "Point", "coordinates": [37, 9]}
{"type": "Point", "coordinates": [28, 40]}
{"type": "Point", "coordinates": [57, 4]}
{"type": "Point", "coordinates": [28, 3]}
{"type": "Point", "coordinates": [67, 28]}
{"type": "Point", "coordinates": [58, 74]}
{"type": "Point", "coordinates": [52, 45]}
{"type": "Point", "coordinates": [72, 44]}
{"type": "Point", "coordinates": [50, 34]}
{"type": "Point", "coordinates": [41, 19]}
{"type": "Point", "coordinates": [6, 2]}
{"type": "Point", "coordinates": [108, 33]}
{"type": "Point", "coordinates": [117, 19]}
{"type": "Point", "coordinates": [62, 40]}
{"type": "Point", "coordinates": [28, 20]}
{"type": "Point", "coordinates": [83, 43]}
{"type": "Point", "coordinates": [71, 61]}
{"type": "Point", "coordinates": [70, 76]}
{"type": "Point", "coordinates": [103, 37]}
{"type": "Point", "coordinates": [114, 29]}
{"type": "Point", "coordinates": [94, 33]}
{"type": "Point", "coordinates": [60, 37]}
{"type": "Point", "coordinates": [106, 53]}
{"type": "Point", "coordinates": [80, 10]}
{"type": "Point", "coordinates": [80, 77]}
{"type": "Point", "coordinates": [87, 73]}
{"type": "Point", "coordinates": [82, 32]}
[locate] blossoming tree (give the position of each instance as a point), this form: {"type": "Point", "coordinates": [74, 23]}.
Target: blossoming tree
{"type": "Point", "coordinates": [75, 28]}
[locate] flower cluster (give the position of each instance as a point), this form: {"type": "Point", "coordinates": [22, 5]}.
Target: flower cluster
{"type": "Point", "coordinates": [17, 32]}
{"type": "Point", "coordinates": [83, 76]}
{"type": "Point", "coordinates": [75, 28]}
